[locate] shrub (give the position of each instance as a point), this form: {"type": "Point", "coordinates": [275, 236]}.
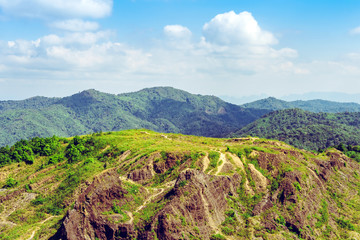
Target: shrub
{"type": "Point", "coordinates": [297, 186]}
{"type": "Point", "coordinates": [345, 224]}
{"type": "Point", "coordinates": [182, 183]}
{"type": "Point", "coordinates": [217, 237]}
{"type": "Point", "coordinates": [10, 182]}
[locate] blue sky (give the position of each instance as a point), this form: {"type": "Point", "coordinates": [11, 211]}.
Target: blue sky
{"type": "Point", "coordinates": [219, 47]}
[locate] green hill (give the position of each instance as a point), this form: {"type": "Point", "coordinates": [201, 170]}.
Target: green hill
{"type": "Point", "coordinates": [307, 130]}
{"type": "Point", "coordinates": [163, 109]}
{"type": "Point", "coordinates": [139, 184]}
{"type": "Point", "coordinates": [310, 105]}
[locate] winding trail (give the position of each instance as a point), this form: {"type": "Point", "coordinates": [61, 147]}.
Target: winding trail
{"type": "Point", "coordinates": [237, 161]}
{"type": "Point", "coordinates": [206, 162]}
{"type": "Point", "coordinates": [38, 227]}
{"type": "Point", "coordinates": [223, 161]}
{"type": "Point", "coordinates": [149, 199]}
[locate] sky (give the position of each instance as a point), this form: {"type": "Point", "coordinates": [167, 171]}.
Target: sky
{"type": "Point", "coordinates": [231, 48]}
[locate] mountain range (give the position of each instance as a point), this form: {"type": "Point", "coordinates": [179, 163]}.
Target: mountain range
{"type": "Point", "coordinates": [317, 105]}
{"type": "Point", "coordinates": [166, 109]}
{"type": "Point", "coordinates": [162, 109]}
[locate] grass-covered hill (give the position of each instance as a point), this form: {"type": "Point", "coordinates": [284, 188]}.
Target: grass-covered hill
{"type": "Point", "coordinates": [316, 105]}
{"type": "Point", "coordinates": [139, 184]}
{"type": "Point", "coordinates": [305, 129]}
{"type": "Point", "coordinates": [162, 109]}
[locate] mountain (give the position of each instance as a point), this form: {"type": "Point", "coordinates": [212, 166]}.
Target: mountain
{"type": "Point", "coordinates": [310, 105]}
{"type": "Point", "coordinates": [139, 184]}
{"type": "Point", "coordinates": [305, 129]}
{"type": "Point", "coordinates": [162, 109]}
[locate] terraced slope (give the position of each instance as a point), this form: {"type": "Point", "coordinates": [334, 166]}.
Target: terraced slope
{"type": "Point", "coordinates": [139, 184]}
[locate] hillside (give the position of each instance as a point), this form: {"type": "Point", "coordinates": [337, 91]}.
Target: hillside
{"type": "Point", "coordinates": [163, 109]}
{"type": "Point", "coordinates": [307, 130]}
{"type": "Point", "coordinates": [310, 105]}
{"type": "Point", "coordinates": [139, 184]}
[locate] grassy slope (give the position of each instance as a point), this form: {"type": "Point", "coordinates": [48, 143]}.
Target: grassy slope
{"type": "Point", "coordinates": [56, 185]}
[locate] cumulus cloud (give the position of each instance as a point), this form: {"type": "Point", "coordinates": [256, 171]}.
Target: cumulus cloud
{"type": "Point", "coordinates": [355, 31]}
{"type": "Point", "coordinates": [236, 29]}
{"type": "Point", "coordinates": [180, 60]}
{"type": "Point", "coordinates": [57, 8]}
{"type": "Point", "coordinates": [75, 25]}
{"type": "Point", "coordinates": [177, 31]}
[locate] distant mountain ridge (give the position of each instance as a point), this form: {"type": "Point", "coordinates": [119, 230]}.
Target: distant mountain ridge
{"type": "Point", "coordinates": [162, 109]}
{"type": "Point", "coordinates": [316, 105]}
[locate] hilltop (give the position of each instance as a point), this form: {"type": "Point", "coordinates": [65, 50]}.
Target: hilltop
{"type": "Point", "coordinates": [147, 185]}
{"type": "Point", "coordinates": [303, 129]}
{"type": "Point", "coordinates": [162, 109]}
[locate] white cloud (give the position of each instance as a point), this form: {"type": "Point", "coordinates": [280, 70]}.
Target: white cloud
{"type": "Point", "coordinates": [82, 38]}
{"type": "Point", "coordinates": [355, 31]}
{"type": "Point", "coordinates": [236, 29]}
{"type": "Point", "coordinates": [177, 31]}
{"type": "Point", "coordinates": [75, 25]}
{"type": "Point", "coordinates": [179, 60]}
{"type": "Point", "coordinates": [57, 8]}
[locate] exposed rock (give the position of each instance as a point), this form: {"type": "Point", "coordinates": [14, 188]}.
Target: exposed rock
{"type": "Point", "coordinates": [141, 175]}
{"type": "Point", "coordinates": [86, 220]}
{"type": "Point", "coordinates": [260, 181]}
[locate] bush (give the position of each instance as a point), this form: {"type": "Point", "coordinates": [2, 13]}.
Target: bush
{"type": "Point", "coordinates": [217, 237]}
{"type": "Point", "coordinates": [297, 186]}
{"type": "Point", "coordinates": [10, 182]}
{"type": "Point", "coordinates": [345, 224]}
{"type": "Point", "coordinates": [56, 158]}
{"type": "Point", "coordinates": [182, 183]}
{"type": "Point", "coordinates": [227, 231]}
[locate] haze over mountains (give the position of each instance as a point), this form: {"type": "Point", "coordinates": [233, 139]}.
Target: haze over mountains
{"type": "Point", "coordinates": [317, 105]}
{"type": "Point", "coordinates": [162, 109]}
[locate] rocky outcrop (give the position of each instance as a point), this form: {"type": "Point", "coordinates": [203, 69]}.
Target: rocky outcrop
{"type": "Point", "coordinates": [87, 221]}
{"type": "Point", "coordinates": [198, 201]}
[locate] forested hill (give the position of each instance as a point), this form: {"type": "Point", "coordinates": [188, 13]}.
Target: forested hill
{"type": "Point", "coordinates": [310, 105]}
{"type": "Point", "coordinates": [162, 109]}
{"type": "Point", "coordinates": [307, 130]}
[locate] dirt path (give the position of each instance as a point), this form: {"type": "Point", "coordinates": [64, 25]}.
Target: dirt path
{"type": "Point", "coordinates": [316, 177]}
{"type": "Point", "coordinates": [223, 161]}
{"type": "Point", "coordinates": [237, 161]}
{"type": "Point", "coordinates": [206, 162]}
{"type": "Point", "coordinates": [38, 228]}
{"type": "Point", "coordinates": [149, 199]}
{"type": "Point", "coordinates": [12, 206]}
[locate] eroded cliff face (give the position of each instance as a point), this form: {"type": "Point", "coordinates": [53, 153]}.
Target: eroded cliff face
{"type": "Point", "coordinates": [258, 195]}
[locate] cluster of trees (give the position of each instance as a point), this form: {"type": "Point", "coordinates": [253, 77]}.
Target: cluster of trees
{"type": "Point", "coordinates": [350, 151]}
{"type": "Point", "coordinates": [27, 150]}
{"type": "Point", "coordinates": [80, 147]}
